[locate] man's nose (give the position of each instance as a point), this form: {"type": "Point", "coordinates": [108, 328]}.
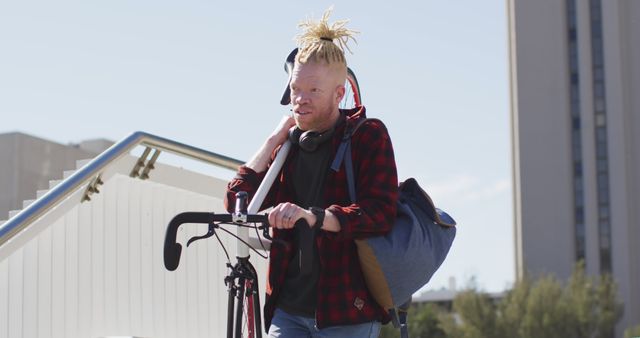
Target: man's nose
{"type": "Point", "coordinates": [301, 99]}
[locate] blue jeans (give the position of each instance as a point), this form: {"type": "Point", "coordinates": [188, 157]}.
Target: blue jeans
{"type": "Point", "coordinates": [284, 325]}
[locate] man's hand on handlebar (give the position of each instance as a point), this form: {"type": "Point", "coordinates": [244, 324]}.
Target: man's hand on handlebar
{"type": "Point", "coordinates": [285, 215]}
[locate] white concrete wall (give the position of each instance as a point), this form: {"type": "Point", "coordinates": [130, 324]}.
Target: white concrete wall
{"type": "Point", "coordinates": [540, 125]}
{"type": "Point", "coordinates": [98, 271]}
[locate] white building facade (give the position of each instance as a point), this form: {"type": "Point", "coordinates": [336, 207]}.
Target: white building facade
{"type": "Point", "coordinates": [575, 103]}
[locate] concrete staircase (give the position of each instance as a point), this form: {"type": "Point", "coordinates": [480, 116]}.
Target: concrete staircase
{"type": "Point", "coordinates": [95, 268]}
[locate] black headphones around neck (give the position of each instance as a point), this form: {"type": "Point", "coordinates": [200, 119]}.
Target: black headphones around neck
{"type": "Point", "coordinates": [309, 141]}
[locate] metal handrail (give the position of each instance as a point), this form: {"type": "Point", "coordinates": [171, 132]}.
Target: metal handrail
{"type": "Point", "coordinates": [89, 171]}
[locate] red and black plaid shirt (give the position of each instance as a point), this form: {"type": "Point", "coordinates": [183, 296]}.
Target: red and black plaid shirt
{"type": "Point", "coordinates": [343, 298]}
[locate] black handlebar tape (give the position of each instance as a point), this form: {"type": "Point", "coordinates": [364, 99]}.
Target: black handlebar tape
{"type": "Point", "coordinates": [172, 249]}
{"type": "Point", "coordinates": [307, 237]}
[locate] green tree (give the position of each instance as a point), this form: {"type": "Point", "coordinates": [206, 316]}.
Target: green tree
{"type": "Point", "coordinates": [423, 320]}
{"type": "Point", "coordinates": [545, 307]}
{"type": "Point", "coordinates": [512, 309]}
{"type": "Point", "coordinates": [580, 294]}
{"type": "Point", "coordinates": [609, 308]}
{"type": "Point", "coordinates": [478, 314]}
{"type": "Point", "coordinates": [593, 304]}
{"type": "Point", "coordinates": [632, 332]}
{"type": "Point", "coordinates": [547, 312]}
{"type": "Point", "coordinates": [582, 307]}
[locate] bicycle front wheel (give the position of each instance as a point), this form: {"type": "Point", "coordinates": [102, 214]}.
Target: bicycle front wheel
{"type": "Point", "coordinates": [248, 322]}
{"type": "Point", "coordinates": [252, 327]}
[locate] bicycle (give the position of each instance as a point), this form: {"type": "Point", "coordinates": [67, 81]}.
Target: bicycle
{"type": "Point", "coordinates": [243, 304]}
{"type": "Point", "coordinates": [243, 317]}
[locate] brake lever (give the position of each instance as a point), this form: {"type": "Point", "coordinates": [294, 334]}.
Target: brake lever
{"type": "Point", "coordinates": [212, 230]}
{"type": "Point", "coordinates": [267, 235]}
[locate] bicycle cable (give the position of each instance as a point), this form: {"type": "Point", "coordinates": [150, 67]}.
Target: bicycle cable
{"type": "Point", "coordinates": [222, 245]}
{"type": "Point", "coordinates": [260, 239]}
{"type": "Point", "coordinates": [217, 225]}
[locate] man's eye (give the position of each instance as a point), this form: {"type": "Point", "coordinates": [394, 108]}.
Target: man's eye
{"type": "Point", "coordinates": [315, 90]}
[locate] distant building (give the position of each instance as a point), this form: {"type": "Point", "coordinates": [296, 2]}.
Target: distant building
{"type": "Point", "coordinates": [27, 163]}
{"type": "Point", "coordinates": [575, 103]}
{"type": "Point", "coordinates": [444, 297]}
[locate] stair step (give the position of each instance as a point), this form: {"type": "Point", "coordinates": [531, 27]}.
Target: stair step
{"type": "Point", "coordinates": [41, 193]}
{"type": "Point", "coordinates": [53, 183]}
{"type": "Point", "coordinates": [81, 163]}
{"type": "Point", "coordinates": [3, 222]}
{"type": "Point", "coordinates": [26, 203]}
{"type": "Point", "coordinates": [13, 213]}
{"type": "Point", "coordinates": [67, 173]}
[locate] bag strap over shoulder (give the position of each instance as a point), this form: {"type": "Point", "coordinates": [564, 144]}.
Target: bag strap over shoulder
{"type": "Point", "coordinates": [344, 155]}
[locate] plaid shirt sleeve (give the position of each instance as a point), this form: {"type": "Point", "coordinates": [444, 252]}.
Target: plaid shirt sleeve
{"type": "Point", "coordinates": [246, 179]}
{"type": "Point", "coordinates": [249, 180]}
{"type": "Point", "coordinates": [376, 183]}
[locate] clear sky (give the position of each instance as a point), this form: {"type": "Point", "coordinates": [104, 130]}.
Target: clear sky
{"type": "Point", "coordinates": [210, 74]}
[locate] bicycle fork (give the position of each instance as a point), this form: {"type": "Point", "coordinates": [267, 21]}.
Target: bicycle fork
{"type": "Point", "coordinates": [242, 283]}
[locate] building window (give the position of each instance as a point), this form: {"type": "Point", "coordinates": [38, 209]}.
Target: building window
{"type": "Point", "coordinates": [577, 168]}
{"type": "Point", "coordinates": [601, 135]}
{"type": "Point", "coordinates": [599, 105]}
{"type": "Point", "coordinates": [602, 164]}
{"type": "Point", "coordinates": [600, 115]}
{"type": "Point", "coordinates": [598, 74]}
{"type": "Point", "coordinates": [601, 149]}
{"type": "Point", "coordinates": [605, 260]}
{"type": "Point", "coordinates": [576, 129]}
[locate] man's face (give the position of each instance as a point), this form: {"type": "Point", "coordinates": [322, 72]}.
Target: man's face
{"type": "Point", "coordinates": [316, 91]}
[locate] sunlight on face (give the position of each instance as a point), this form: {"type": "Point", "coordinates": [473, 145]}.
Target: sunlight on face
{"type": "Point", "coordinates": [316, 91]}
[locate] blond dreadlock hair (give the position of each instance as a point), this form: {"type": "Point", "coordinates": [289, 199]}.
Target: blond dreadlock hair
{"type": "Point", "coordinates": [321, 41]}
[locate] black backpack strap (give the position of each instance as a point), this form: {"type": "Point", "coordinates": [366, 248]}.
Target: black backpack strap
{"type": "Point", "coordinates": [403, 312]}
{"type": "Point", "coordinates": [344, 155]}
{"type": "Point", "coordinates": [404, 327]}
{"type": "Point", "coordinates": [348, 164]}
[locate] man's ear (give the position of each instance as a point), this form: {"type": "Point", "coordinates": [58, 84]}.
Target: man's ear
{"type": "Point", "coordinates": [340, 90]}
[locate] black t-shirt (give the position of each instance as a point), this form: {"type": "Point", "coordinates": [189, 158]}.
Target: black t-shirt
{"type": "Point", "coordinates": [299, 293]}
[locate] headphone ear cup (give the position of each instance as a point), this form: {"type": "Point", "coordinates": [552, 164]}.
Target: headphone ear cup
{"type": "Point", "coordinates": [294, 135]}
{"type": "Point", "coordinates": [309, 141]}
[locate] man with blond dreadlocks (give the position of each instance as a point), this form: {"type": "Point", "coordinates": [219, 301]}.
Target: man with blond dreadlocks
{"type": "Point", "coordinates": [331, 299]}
